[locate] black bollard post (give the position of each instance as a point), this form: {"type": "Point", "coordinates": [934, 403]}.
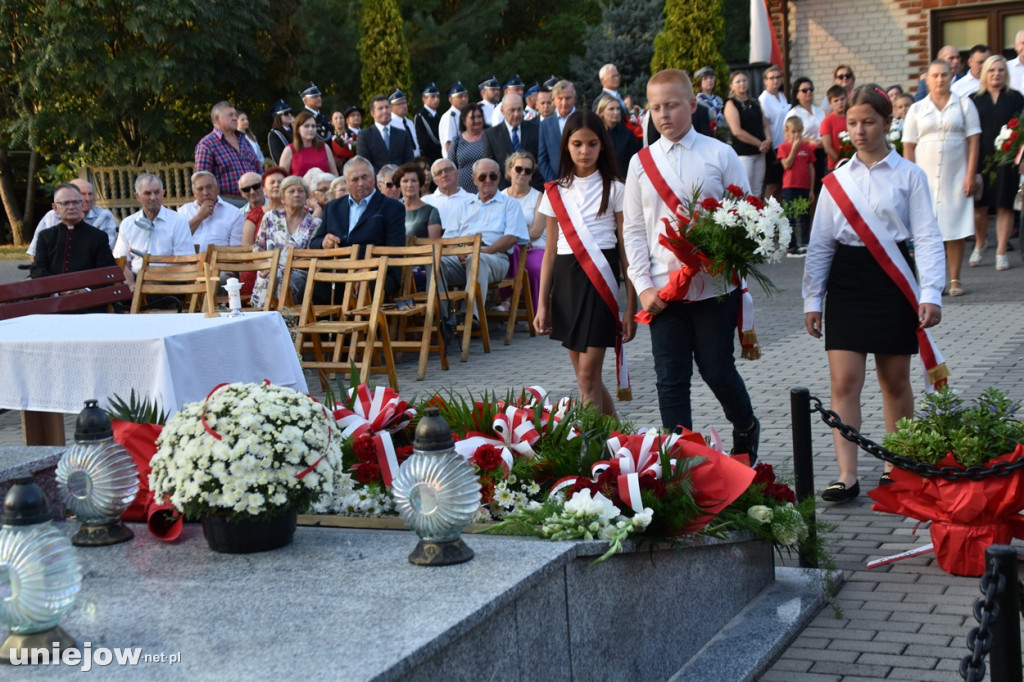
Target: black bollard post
{"type": "Point", "coordinates": [803, 464]}
{"type": "Point", "coordinates": [1004, 659]}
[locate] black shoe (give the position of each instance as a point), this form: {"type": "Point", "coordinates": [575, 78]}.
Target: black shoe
{"type": "Point", "coordinates": [745, 442]}
{"type": "Point", "coordinates": [885, 479]}
{"type": "Point", "coordinates": [838, 492]}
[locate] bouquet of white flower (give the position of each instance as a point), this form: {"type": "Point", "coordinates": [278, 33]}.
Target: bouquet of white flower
{"type": "Point", "coordinates": [247, 450]}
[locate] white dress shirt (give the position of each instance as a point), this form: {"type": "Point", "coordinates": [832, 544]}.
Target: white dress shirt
{"type": "Point", "coordinates": [898, 189]}
{"type": "Point", "coordinates": [775, 108]}
{"type": "Point", "coordinates": [811, 119]}
{"type": "Point", "coordinates": [966, 86]}
{"type": "Point", "coordinates": [1016, 74]}
{"type": "Point", "coordinates": [703, 164]}
{"type": "Point", "coordinates": [223, 227]}
{"type": "Point", "coordinates": [170, 236]}
{"type": "Point", "coordinates": [448, 208]}
{"type": "Point", "coordinates": [448, 128]}
{"type": "Point", "coordinates": [97, 216]}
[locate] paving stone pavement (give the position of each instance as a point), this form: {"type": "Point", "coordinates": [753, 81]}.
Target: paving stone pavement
{"type": "Point", "coordinates": [904, 621]}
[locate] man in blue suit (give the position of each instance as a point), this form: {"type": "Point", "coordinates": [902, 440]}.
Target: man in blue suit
{"type": "Point", "coordinates": [382, 143]}
{"type": "Point", "coordinates": [564, 95]}
{"type": "Point", "coordinates": [512, 134]}
{"type": "Point", "coordinates": [364, 217]}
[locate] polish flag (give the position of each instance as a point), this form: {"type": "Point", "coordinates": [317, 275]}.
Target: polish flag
{"type": "Point", "coordinates": [764, 47]}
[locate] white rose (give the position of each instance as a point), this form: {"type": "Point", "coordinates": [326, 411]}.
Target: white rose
{"type": "Point", "coordinates": [760, 513]}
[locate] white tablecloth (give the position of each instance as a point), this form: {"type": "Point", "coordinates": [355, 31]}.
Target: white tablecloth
{"type": "Point", "coordinates": [53, 363]}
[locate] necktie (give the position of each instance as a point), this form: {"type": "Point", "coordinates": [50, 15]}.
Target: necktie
{"type": "Point", "coordinates": [515, 139]}
{"type": "Point", "coordinates": [387, 137]}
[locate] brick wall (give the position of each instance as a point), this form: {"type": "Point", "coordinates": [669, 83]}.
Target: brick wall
{"type": "Point", "coordinates": [884, 41]}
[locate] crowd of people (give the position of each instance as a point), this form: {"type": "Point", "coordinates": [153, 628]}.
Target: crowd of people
{"type": "Point", "coordinates": [583, 195]}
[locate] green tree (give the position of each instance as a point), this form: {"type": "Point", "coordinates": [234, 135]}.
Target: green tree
{"type": "Point", "coordinates": [382, 49]}
{"type": "Point", "coordinates": [691, 38]}
{"type": "Point", "coordinates": [117, 81]}
{"type": "Point", "coordinates": [625, 37]}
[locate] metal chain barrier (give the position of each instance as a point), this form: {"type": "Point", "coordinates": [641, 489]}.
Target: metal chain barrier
{"type": "Point", "coordinates": [923, 469]}
{"type": "Point", "coordinates": [986, 611]}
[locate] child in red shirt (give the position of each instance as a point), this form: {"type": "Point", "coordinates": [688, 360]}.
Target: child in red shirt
{"type": "Point", "coordinates": [834, 124]}
{"type": "Point", "coordinates": [797, 157]}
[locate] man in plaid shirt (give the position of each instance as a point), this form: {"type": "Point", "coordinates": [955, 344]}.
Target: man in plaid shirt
{"type": "Point", "coordinates": [221, 153]}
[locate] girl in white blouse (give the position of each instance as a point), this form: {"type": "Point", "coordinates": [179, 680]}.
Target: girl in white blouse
{"type": "Point", "coordinates": [865, 310]}
{"type": "Point", "coordinates": [587, 195]}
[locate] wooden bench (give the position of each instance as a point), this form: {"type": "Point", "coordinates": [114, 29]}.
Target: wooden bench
{"type": "Point", "coordinates": [115, 185]}
{"type": "Point", "coordinates": [35, 296]}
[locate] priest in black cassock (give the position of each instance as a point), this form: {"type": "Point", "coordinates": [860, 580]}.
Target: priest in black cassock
{"type": "Point", "coordinates": [72, 244]}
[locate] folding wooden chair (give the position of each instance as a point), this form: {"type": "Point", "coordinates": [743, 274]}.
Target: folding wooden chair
{"type": "Point", "coordinates": [186, 276]}
{"type": "Point", "coordinates": [404, 310]}
{"type": "Point", "coordinates": [358, 315]}
{"type": "Point", "coordinates": [517, 280]}
{"type": "Point", "coordinates": [471, 294]}
{"type": "Point", "coordinates": [300, 259]}
{"type": "Point", "coordinates": [236, 259]}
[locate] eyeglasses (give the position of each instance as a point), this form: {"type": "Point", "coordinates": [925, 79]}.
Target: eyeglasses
{"type": "Point", "coordinates": [487, 176]}
{"type": "Point", "coordinates": [250, 188]}
{"type": "Point", "coordinates": [806, 89]}
{"type": "Point", "coordinates": [389, 184]}
{"type": "Point", "coordinates": [523, 171]}
{"type": "Point", "coordinates": [442, 171]}
{"type": "Point", "coordinates": [401, 304]}
{"type": "Point", "coordinates": [66, 204]}
{"type": "Point", "coordinates": [844, 76]}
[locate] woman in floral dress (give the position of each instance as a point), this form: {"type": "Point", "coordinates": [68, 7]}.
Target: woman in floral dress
{"type": "Point", "coordinates": [288, 228]}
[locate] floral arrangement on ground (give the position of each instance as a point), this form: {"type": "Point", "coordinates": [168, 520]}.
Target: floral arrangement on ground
{"type": "Point", "coordinates": [557, 471]}
{"type": "Point", "coordinates": [564, 471]}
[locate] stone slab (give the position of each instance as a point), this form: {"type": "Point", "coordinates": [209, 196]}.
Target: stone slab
{"type": "Point", "coordinates": [37, 461]}
{"type": "Point", "coordinates": [756, 636]}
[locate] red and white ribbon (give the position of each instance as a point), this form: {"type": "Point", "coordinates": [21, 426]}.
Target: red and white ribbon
{"type": "Point", "coordinates": [377, 415]}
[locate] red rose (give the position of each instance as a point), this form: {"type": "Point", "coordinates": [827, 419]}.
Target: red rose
{"type": "Point", "coordinates": [486, 489]}
{"type": "Point", "coordinates": [1013, 123]}
{"type": "Point", "coordinates": [710, 204]}
{"type": "Point", "coordinates": [735, 191]}
{"type": "Point", "coordinates": [755, 202]}
{"type": "Point", "coordinates": [579, 484]}
{"type": "Point", "coordinates": [763, 473]}
{"type": "Point", "coordinates": [780, 492]}
{"type": "Point", "coordinates": [403, 453]}
{"type": "Point", "coordinates": [367, 473]}
{"type": "Point", "coordinates": [364, 449]}
{"type": "Point", "coordinates": [487, 457]}
{"type": "Point", "coordinates": [1008, 146]}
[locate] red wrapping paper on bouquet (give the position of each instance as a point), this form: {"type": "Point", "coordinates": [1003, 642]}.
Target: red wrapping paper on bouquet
{"type": "Point", "coordinates": [162, 519]}
{"type": "Point", "coordinates": [966, 516]}
{"type": "Point", "coordinates": [678, 280]}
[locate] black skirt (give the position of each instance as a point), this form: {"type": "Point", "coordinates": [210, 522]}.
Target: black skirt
{"type": "Point", "coordinates": [864, 309]}
{"type": "Point", "coordinates": [579, 316]}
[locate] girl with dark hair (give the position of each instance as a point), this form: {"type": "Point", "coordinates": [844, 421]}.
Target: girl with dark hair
{"type": "Point", "coordinates": [860, 271]}
{"type": "Point", "coordinates": [579, 278]}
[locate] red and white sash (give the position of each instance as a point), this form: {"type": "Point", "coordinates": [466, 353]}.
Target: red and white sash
{"type": "Point", "coordinates": [668, 185]}
{"type": "Point", "coordinates": [595, 265]}
{"type": "Point", "coordinates": [880, 243]}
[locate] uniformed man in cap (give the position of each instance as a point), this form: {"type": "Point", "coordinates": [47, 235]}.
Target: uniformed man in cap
{"type": "Point", "coordinates": [448, 128]}
{"type": "Point", "coordinates": [280, 135]}
{"type": "Point", "coordinates": [490, 95]}
{"type": "Point", "coordinates": [354, 119]}
{"type": "Point", "coordinates": [530, 111]}
{"type": "Point", "coordinates": [400, 118]}
{"type": "Point", "coordinates": [427, 120]}
{"type": "Point", "coordinates": [312, 99]}
{"type": "Point", "coordinates": [513, 85]}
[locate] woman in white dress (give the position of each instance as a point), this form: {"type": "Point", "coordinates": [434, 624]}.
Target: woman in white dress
{"type": "Point", "coordinates": [941, 134]}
